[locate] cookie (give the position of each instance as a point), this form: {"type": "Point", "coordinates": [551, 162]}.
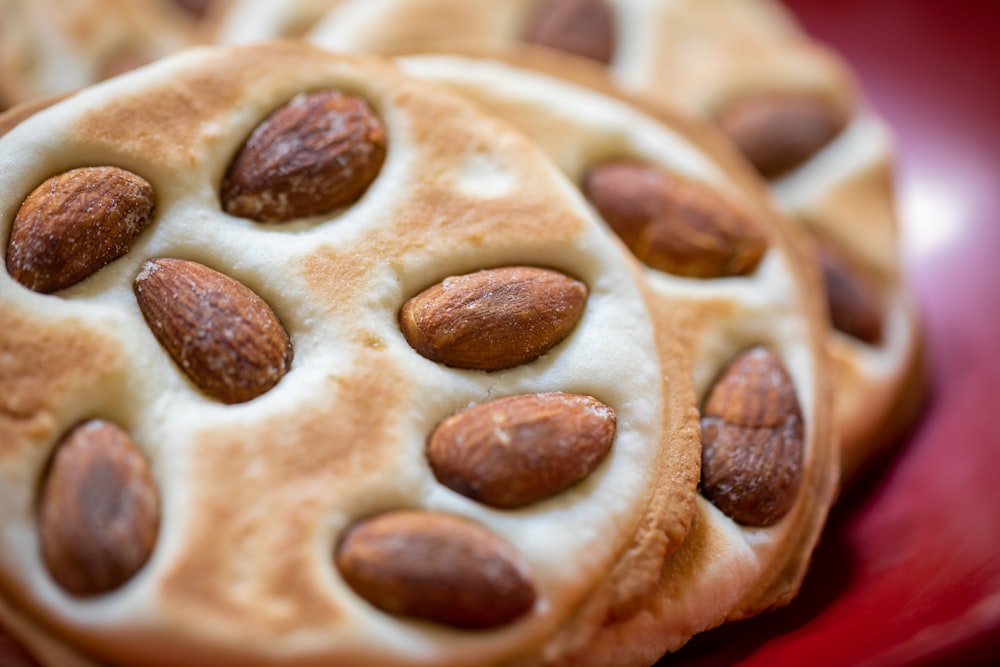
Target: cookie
{"type": "Point", "coordinates": [50, 47]}
{"type": "Point", "coordinates": [790, 103]}
{"type": "Point", "coordinates": [699, 221]}
{"type": "Point", "coordinates": [306, 360]}
{"type": "Point", "coordinates": [250, 21]}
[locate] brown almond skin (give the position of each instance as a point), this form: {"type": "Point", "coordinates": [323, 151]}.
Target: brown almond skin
{"type": "Point", "coordinates": [582, 27]}
{"type": "Point", "coordinates": [220, 333]}
{"type": "Point", "coordinates": [437, 568]}
{"type": "Point", "coordinates": [122, 61]}
{"type": "Point", "coordinates": [74, 224]}
{"type": "Point", "coordinates": [99, 510]}
{"type": "Point", "coordinates": [198, 8]}
{"type": "Point", "coordinates": [517, 450]}
{"type": "Point", "coordinates": [493, 319]}
{"type": "Point", "coordinates": [319, 152]}
{"type": "Point", "coordinates": [778, 132]}
{"type": "Point", "coordinates": [752, 440]}
{"type": "Point", "coordinates": [854, 300]}
{"type": "Point", "coordinates": [677, 226]}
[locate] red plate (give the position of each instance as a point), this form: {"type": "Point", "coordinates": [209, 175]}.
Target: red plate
{"type": "Point", "coordinates": [908, 572]}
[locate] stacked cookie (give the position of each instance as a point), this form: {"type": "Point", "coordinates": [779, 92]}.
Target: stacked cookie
{"type": "Point", "coordinates": [52, 47]}
{"type": "Point", "coordinates": [252, 405]}
{"type": "Point", "coordinates": [736, 277]}
{"type": "Point", "coordinates": [468, 357]}
{"type": "Point", "coordinates": [338, 368]}
{"type": "Point", "coordinates": [789, 104]}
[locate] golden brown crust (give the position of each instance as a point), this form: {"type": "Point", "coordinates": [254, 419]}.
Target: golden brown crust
{"type": "Point", "coordinates": [545, 106]}
{"type": "Point", "coordinates": [41, 370]}
{"type": "Point", "coordinates": [707, 57]}
{"type": "Point", "coordinates": [50, 47]}
{"type": "Point", "coordinates": [255, 496]}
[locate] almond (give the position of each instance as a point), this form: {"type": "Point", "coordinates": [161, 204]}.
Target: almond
{"type": "Point", "coordinates": [319, 152]}
{"type": "Point", "coordinates": [780, 131]}
{"type": "Point", "coordinates": [99, 511]}
{"type": "Point", "coordinates": [752, 440]}
{"type": "Point", "coordinates": [222, 335]}
{"type": "Point", "coordinates": [581, 27]}
{"type": "Point", "coordinates": [520, 449]}
{"type": "Point", "coordinates": [853, 297]}
{"type": "Point", "coordinates": [437, 568]}
{"type": "Point", "coordinates": [493, 319]}
{"type": "Point", "coordinates": [674, 225]}
{"type": "Point", "coordinates": [74, 224]}
{"type": "Point", "coordinates": [123, 60]}
{"type": "Point", "coordinates": [199, 8]}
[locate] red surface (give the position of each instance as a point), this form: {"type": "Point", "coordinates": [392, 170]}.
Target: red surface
{"type": "Point", "coordinates": [908, 573]}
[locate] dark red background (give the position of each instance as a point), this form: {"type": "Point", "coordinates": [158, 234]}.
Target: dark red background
{"type": "Point", "coordinates": [908, 572]}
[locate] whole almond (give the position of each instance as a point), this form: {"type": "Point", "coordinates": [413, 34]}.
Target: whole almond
{"type": "Point", "coordinates": [199, 8]}
{"type": "Point", "coordinates": [437, 568]}
{"type": "Point", "coordinates": [778, 132]}
{"type": "Point", "coordinates": [581, 27]}
{"type": "Point", "coordinates": [520, 449]}
{"type": "Point", "coordinates": [74, 224]}
{"type": "Point", "coordinates": [99, 510]}
{"type": "Point", "coordinates": [752, 440]}
{"type": "Point", "coordinates": [125, 59]}
{"type": "Point", "coordinates": [222, 335]}
{"type": "Point", "coordinates": [493, 319]}
{"type": "Point", "coordinates": [674, 225]}
{"type": "Point", "coordinates": [319, 152]}
{"type": "Point", "coordinates": [853, 297]}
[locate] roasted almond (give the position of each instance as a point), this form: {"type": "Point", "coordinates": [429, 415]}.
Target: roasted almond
{"type": "Point", "coordinates": [99, 511]}
{"type": "Point", "coordinates": [222, 335]}
{"type": "Point", "coordinates": [672, 224]}
{"type": "Point", "coordinates": [853, 297]}
{"type": "Point", "coordinates": [752, 440]}
{"type": "Point", "coordinates": [778, 132]}
{"type": "Point", "coordinates": [517, 450]}
{"type": "Point", "coordinates": [74, 224]}
{"type": "Point", "coordinates": [319, 152]}
{"type": "Point", "coordinates": [199, 8]}
{"type": "Point", "coordinates": [437, 568]}
{"type": "Point", "coordinates": [122, 61]}
{"type": "Point", "coordinates": [493, 319]}
{"type": "Point", "coordinates": [581, 27]}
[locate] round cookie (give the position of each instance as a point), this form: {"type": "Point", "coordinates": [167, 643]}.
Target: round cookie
{"type": "Point", "coordinates": [719, 259]}
{"type": "Point", "coordinates": [307, 361]}
{"type": "Point", "coordinates": [49, 47]}
{"type": "Point", "coordinates": [787, 101]}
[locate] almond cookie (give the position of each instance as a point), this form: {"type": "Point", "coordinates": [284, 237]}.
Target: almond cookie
{"type": "Point", "coordinates": [788, 102]}
{"type": "Point", "coordinates": [752, 320]}
{"type": "Point", "coordinates": [307, 361]}
{"type": "Point", "coordinates": [49, 47]}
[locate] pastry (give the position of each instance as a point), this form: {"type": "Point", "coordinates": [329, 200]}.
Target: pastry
{"type": "Point", "coordinates": [49, 47]}
{"type": "Point", "coordinates": [336, 490]}
{"type": "Point", "coordinates": [250, 21]}
{"type": "Point", "coordinates": [699, 221]}
{"type": "Point", "coordinates": [308, 361]}
{"type": "Point", "coordinates": [788, 102]}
